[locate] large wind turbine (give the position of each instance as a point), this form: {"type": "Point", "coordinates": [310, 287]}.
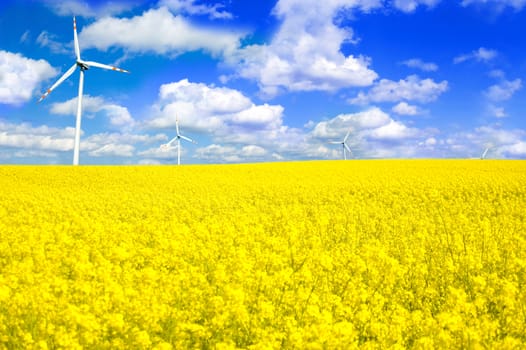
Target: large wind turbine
{"type": "Point", "coordinates": [177, 138]}
{"type": "Point", "coordinates": [83, 65]}
{"type": "Point", "coordinates": [345, 146]}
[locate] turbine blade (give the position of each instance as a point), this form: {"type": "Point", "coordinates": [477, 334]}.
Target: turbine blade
{"type": "Point", "coordinates": [62, 78]}
{"type": "Point", "coordinates": [171, 141]}
{"type": "Point", "coordinates": [76, 39]}
{"type": "Point", "coordinates": [346, 136]}
{"type": "Point", "coordinates": [187, 139]}
{"type": "Point", "coordinates": [104, 66]}
{"type": "Point", "coordinates": [485, 153]}
{"type": "Point", "coordinates": [347, 148]}
{"type": "Point", "coordinates": [177, 125]}
{"type": "Point", "coordinates": [334, 142]}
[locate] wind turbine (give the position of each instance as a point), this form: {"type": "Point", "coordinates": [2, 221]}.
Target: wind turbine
{"type": "Point", "coordinates": [83, 65]}
{"type": "Point", "coordinates": [345, 146]}
{"type": "Point", "coordinates": [177, 138]}
{"type": "Point", "coordinates": [484, 154]}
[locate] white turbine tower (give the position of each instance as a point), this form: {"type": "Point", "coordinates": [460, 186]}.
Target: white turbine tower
{"type": "Point", "coordinates": [83, 65]}
{"type": "Point", "coordinates": [177, 138]}
{"type": "Point", "coordinates": [345, 146]}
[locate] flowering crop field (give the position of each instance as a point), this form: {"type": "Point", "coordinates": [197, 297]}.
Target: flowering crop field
{"type": "Point", "coordinates": [309, 255]}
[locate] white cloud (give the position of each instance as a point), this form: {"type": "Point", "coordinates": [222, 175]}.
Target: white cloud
{"type": "Point", "coordinates": [42, 138]}
{"type": "Point", "coordinates": [142, 34]}
{"type": "Point", "coordinates": [231, 154]}
{"type": "Point", "coordinates": [45, 39]}
{"type": "Point", "coordinates": [149, 162]}
{"type": "Point", "coordinates": [101, 139]}
{"type": "Point", "coordinates": [216, 111]}
{"type": "Point", "coordinates": [410, 89]}
{"type": "Point", "coordinates": [118, 116]}
{"type": "Point", "coordinates": [191, 7]}
{"type": "Point", "coordinates": [207, 99]}
{"type": "Point", "coordinates": [374, 134]}
{"type": "Point", "coordinates": [218, 154]}
{"type": "Point", "coordinates": [21, 76]}
{"type": "Point", "coordinates": [253, 151]}
{"type": "Point", "coordinates": [90, 104]}
{"type": "Point", "coordinates": [517, 149]}
{"type": "Point", "coordinates": [227, 118]}
{"type": "Point", "coordinates": [119, 150]}
{"type": "Point", "coordinates": [334, 128]}
{"type": "Point", "coordinates": [503, 143]}
{"type": "Point", "coordinates": [419, 64]}
{"type": "Point", "coordinates": [480, 55]}
{"type": "Point", "coordinates": [394, 130]}
{"type": "Point", "coordinates": [265, 115]}
{"type": "Point", "coordinates": [504, 90]}
{"type": "Point", "coordinates": [411, 5]}
{"type": "Point", "coordinates": [497, 112]}
{"type": "Point", "coordinates": [403, 108]}
{"type": "Point", "coordinates": [499, 4]}
{"type": "Point", "coordinates": [304, 54]}
{"type": "Point", "coordinates": [90, 9]}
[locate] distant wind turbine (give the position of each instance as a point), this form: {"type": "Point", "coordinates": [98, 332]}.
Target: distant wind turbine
{"type": "Point", "coordinates": [83, 65]}
{"type": "Point", "coordinates": [485, 153]}
{"type": "Point", "coordinates": [177, 138]}
{"type": "Point", "coordinates": [345, 146]}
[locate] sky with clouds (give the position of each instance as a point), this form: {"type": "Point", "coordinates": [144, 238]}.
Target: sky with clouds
{"type": "Point", "coordinates": [254, 81]}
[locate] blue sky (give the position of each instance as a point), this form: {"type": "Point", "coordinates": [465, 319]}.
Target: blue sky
{"type": "Point", "coordinates": [255, 81]}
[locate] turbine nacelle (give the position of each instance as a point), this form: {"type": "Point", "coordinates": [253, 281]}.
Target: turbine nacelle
{"type": "Point", "coordinates": [82, 65]}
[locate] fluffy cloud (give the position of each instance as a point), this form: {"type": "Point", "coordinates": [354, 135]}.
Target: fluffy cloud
{"type": "Point", "coordinates": [218, 111]}
{"type": "Point", "coordinates": [21, 76]}
{"type": "Point", "coordinates": [411, 5]}
{"type": "Point", "coordinates": [231, 154]}
{"type": "Point", "coordinates": [393, 130]}
{"type": "Point", "coordinates": [497, 112]}
{"type": "Point", "coordinates": [90, 9]}
{"type": "Point", "coordinates": [41, 138]}
{"type": "Point", "coordinates": [141, 34]}
{"type": "Point", "coordinates": [239, 129]}
{"type": "Point", "coordinates": [499, 4]}
{"type": "Point", "coordinates": [403, 108]}
{"type": "Point", "coordinates": [502, 143]}
{"type": "Point", "coordinates": [480, 55]}
{"type": "Point", "coordinates": [419, 64]}
{"type": "Point", "coordinates": [504, 90]}
{"type": "Point", "coordinates": [113, 150]}
{"type": "Point", "coordinates": [43, 141]}
{"type": "Point", "coordinates": [45, 39]}
{"type": "Point", "coordinates": [517, 149]}
{"type": "Point", "coordinates": [374, 134]}
{"type": "Point", "coordinates": [118, 116]}
{"type": "Point", "coordinates": [304, 54]}
{"type": "Point", "coordinates": [191, 7]}
{"type": "Point", "coordinates": [410, 89]}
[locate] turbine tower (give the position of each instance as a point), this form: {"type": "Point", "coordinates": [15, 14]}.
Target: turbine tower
{"type": "Point", "coordinates": [83, 65]}
{"type": "Point", "coordinates": [177, 138]}
{"type": "Point", "coordinates": [345, 146]}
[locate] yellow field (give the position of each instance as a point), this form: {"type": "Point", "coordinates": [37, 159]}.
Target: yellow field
{"type": "Point", "coordinates": [311, 255]}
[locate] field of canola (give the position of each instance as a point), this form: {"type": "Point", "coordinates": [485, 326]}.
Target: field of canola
{"type": "Point", "coordinates": [309, 255]}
